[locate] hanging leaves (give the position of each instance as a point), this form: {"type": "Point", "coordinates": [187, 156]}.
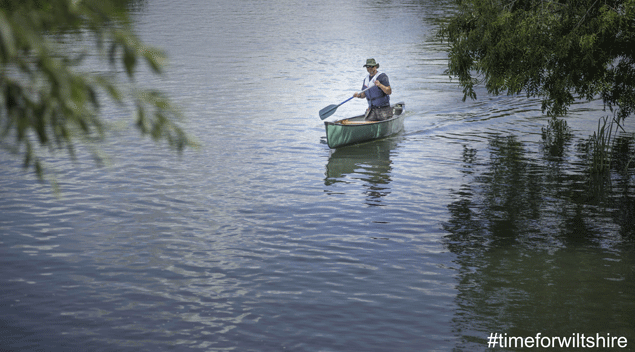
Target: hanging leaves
{"type": "Point", "coordinates": [558, 51]}
{"type": "Point", "coordinates": [47, 101]}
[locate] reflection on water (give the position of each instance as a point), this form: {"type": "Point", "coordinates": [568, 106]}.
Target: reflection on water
{"type": "Point", "coordinates": [538, 249]}
{"type": "Point", "coordinates": [370, 163]}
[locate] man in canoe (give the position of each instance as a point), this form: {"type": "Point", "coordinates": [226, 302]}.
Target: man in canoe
{"type": "Point", "coordinates": [378, 95]}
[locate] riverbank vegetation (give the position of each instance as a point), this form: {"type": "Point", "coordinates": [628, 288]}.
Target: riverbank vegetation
{"type": "Point", "coordinates": [48, 103]}
{"type": "Point", "coordinates": [559, 51]}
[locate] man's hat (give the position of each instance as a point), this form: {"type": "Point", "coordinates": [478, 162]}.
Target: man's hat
{"type": "Point", "coordinates": [371, 62]}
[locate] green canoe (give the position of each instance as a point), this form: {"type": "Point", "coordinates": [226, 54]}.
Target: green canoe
{"type": "Point", "coordinates": [357, 130]}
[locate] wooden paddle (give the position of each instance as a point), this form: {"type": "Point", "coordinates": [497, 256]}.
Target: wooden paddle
{"type": "Point", "coordinates": [330, 110]}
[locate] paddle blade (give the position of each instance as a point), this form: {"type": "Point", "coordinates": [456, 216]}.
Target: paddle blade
{"type": "Point", "coordinates": [328, 111]}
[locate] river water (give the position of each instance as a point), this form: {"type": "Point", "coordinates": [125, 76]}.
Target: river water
{"type": "Point", "coordinates": [264, 239]}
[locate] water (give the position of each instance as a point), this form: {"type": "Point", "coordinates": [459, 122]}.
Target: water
{"type": "Point", "coordinates": [266, 240]}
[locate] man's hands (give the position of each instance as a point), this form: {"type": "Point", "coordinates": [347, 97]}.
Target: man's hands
{"type": "Point", "coordinates": [386, 89]}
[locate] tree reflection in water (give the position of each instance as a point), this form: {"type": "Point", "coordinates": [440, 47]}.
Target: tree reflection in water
{"type": "Point", "coordinates": [540, 247]}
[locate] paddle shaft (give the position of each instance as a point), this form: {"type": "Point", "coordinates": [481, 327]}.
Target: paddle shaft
{"type": "Point", "coordinates": [353, 96]}
{"type": "Point", "coordinates": [330, 110]}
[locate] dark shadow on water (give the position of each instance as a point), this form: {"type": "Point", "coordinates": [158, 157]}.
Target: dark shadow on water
{"type": "Point", "coordinates": [540, 247]}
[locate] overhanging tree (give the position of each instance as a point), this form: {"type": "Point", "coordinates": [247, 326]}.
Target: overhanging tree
{"type": "Point", "coordinates": [48, 103]}
{"type": "Point", "coordinates": [556, 50]}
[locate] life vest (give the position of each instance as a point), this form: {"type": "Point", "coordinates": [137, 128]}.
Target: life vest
{"type": "Point", "coordinates": [375, 96]}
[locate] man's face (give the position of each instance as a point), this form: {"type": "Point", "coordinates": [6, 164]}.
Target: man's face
{"type": "Point", "coordinates": [371, 70]}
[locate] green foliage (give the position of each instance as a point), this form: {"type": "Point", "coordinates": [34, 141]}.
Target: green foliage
{"type": "Point", "coordinates": [600, 146]}
{"type": "Point", "coordinates": [607, 148]}
{"type": "Point", "coordinates": [557, 50]}
{"type": "Point", "coordinates": [48, 102]}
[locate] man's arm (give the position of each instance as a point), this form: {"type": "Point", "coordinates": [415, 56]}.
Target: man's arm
{"type": "Point", "coordinates": [383, 83]}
